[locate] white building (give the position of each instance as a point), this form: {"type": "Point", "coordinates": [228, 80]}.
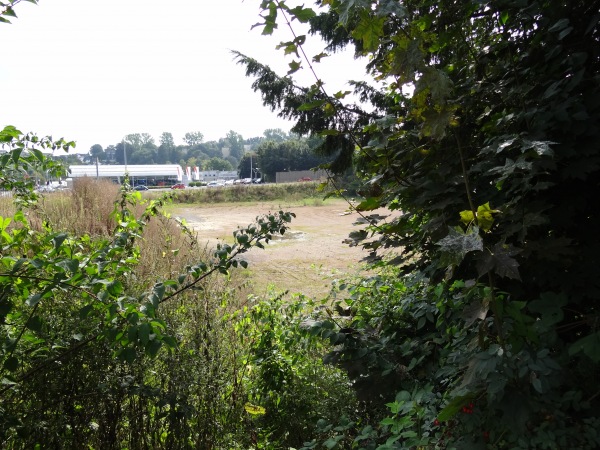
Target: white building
{"type": "Point", "coordinates": [148, 174]}
{"type": "Point", "coordinates": [214, 175]}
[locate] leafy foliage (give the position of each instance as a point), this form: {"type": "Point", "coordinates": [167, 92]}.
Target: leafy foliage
{"type": "Point", "coordinates": [287, 382]}
{"type": "Point", "coordinates": [285, 156]}
{"type": "Point", "coordinates": [76, 323]}
{"type": "Point", "coordinates": [7, 9]}
{"type": "Point", "coordinates": [479, 129]}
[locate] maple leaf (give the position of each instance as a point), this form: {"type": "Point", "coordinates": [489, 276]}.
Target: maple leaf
{"type": "Point", "coordinates": [458, 243]}
{"type": "Point", "coordinates": [500, 261]}
{"type": "Point", "coordinates": [369, 31]}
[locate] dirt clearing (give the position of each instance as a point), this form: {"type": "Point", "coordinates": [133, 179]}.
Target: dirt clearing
{"type": "Point", "coordinates": [308, 257]}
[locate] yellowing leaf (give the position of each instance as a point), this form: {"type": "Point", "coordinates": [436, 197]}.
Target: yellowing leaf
{"type": "Point", "coordinates": [485, 218]}
{"type": "Point", "coordinates": [255, 410]}
{"type": "Point", "coordinates": [466, 217]}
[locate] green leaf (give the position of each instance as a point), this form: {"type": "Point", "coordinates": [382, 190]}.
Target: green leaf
{"type": "Point", "coordinates": [127, 354]}
{"type": "Point", "coordinates": [144, 333]}
{"type": "Point", "coordinates": [170, 341]}
{"type": "Point", "coordinates": [550, 308]}
{"type": "Point", "coordinates": [35, 323]}
{"type": "Point", "coordinates": [319, 57]}
{"type": "Point", "coordinates": [302, 14]}
{"type": "Point", "coordinates": [83, 312]}
{"type": "Point", "coordinates": [58, 240]}
{"type": "Point", "coordinates": [369, 30]}
{"type": "Point", "coordinates": [153, 347]}
{"type": "Point", "coordinates": [589, 345]}
{"type": "Point", "coordinates": [344, 8]}
{"type": "Point", "coordinates": [114, 288]}
{"type": "Point", "coordinates": [312, 105]}
{"type": "Point", "coordinates": [11, 364]}
{"type": "Point", "coordinates": [294, 67]}
{"type": "Point", "coordinates": [9, 12]}
{"type": "Point", "coordinates": [369, 204]}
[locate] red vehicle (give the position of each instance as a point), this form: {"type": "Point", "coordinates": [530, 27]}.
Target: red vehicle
{"type": "Point", "coordinates": [178, 186]}
{"type": "Point", "coordinates": [304, 179]}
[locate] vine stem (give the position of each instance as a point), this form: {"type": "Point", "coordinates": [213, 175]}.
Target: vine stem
{"type": "Point", "coordinates": [463, 165]}
{"type": "Point", "coordinates": [497, 322]}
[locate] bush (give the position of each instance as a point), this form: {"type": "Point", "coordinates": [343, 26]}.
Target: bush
{"type": "Point", "coordinates": [84, 316]}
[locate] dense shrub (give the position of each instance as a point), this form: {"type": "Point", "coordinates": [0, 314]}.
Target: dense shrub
{"type": "Point", "coordinates": [251, 193]}
{"type": "Point", "coordinates": [480, 127]}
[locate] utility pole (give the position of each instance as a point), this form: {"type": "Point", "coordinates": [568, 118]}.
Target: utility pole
{"type": "Point", "coordinates": [125, 154]}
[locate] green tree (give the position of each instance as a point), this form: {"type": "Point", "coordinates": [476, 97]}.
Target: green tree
{"type": "Point", "coordinates": [146, 155]}
{"type": "Point", "coordinates": [147, 140]}
{"type": "Point", "coordinates": [110, 152]}
{"type": "Point", "coordinates": [285, 156]}
{"type": "Point", "coordinates": [166, 140]}
{"type": "Point", "coordinates": [235, 142]}
{"type": "Point", "coordinates": [96, 152]}
{"type": "Point", "coordinates": [479, 130]}
{"type": "Point", "coordinates": [162, 154]}
{"type": "Point", "coordinates": [275, 134]}
{"type": "Point", "coordinates": [135, 141]}
{"type": "Point", "coordinates": [120, 150]}
{"type": "Point", "coordinates": [247, 162]}
{"type": "Point", "coordinates": [163, 151]}
{"type": "Point", "coordinates": [193, 138]}
{"type": "Point", "coordinates": [211, 149]}
{"type": "Point", "coordinates": [217, 164]}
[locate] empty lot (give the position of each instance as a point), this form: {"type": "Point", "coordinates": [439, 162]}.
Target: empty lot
{"type": "Point", "coordinates": [309, 256]}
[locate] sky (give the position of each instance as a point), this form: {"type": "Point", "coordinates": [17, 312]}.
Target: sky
{"type": "Point", "coordinates": [94, 71]}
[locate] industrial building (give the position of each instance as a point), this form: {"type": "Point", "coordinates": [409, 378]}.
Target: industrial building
{"type": "Point", "coordinates": [147, 174]}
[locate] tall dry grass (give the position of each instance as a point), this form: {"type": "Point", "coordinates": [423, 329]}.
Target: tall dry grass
{"type": "Point", "coordinates": [84, 209]}
{"type": "Point", "coordinates": [199, 381]}
{"type": "Point", "coordinates": [6, 207]}
{"type": "Point", "coordinates": [87, 209]}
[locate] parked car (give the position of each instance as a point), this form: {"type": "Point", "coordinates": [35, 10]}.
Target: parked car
{"type": "Point", "coordinates": [305, 179]}
{"type": "Point", "coordinates": [178, 186]}
{"type": "Point", "coordinates": [141, 187]}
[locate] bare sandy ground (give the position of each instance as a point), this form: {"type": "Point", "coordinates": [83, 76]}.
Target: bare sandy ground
{"type": "Point", "coordinates": [306, 260]}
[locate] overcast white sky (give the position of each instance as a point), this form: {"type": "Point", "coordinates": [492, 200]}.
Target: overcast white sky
{"type": "Point", "coordinates": [95, 70]}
